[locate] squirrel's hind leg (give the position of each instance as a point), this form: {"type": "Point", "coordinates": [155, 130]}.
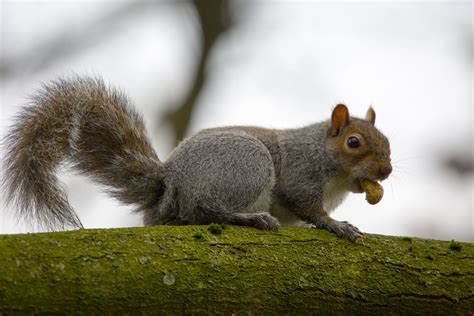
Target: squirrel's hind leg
{"type": "Point", "coordinates": [219, 177]}
{"type": "Point", "coordinates": [261, 220]}
{"type": "Point", "coordinates": [244, 209]}
{"type": "Point", "coordinates": [204, 216]}
{"type": "Point", "coordinates": [171, 212]}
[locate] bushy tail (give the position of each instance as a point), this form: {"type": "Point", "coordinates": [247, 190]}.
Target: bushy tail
{"type": "Point", "coordinates": [91, 126]}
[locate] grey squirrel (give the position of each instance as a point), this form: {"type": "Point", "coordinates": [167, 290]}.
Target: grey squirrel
{"type": "Point", "coordinates": [237, 175]}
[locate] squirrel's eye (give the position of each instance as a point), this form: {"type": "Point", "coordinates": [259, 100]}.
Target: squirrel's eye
{"type": "Point", "coordinates": [353, 142]}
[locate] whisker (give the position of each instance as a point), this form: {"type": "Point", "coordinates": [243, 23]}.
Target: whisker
{"type": "Point", "coordinates": [391, 187]}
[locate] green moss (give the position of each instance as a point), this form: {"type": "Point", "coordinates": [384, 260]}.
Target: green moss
{"type": "Point", "coordinates": [455, 245]}
{"type": "Point", "coordinates": [215, 229]}
{"type": "Point", "coordinates": [242, 271]}
{"type": "Point", "coordinates": [198, 236]}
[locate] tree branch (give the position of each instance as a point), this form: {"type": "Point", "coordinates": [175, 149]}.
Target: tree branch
{"type": "Point", "coordinates": [189, 270]}
{"type": "Point", "coordinates": [214, 20]}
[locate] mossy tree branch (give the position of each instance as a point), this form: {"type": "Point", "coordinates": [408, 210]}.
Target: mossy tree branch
{"type": "Point", "coordinates": [189, 270]}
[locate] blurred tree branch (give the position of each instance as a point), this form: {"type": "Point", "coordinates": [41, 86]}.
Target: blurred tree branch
{"type": "Point", "coordinates": [462, 164]}
{"type": "Point", "coordinates": [214, 20]}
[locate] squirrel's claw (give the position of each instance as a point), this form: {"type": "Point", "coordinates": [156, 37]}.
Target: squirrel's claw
{"type": "Point", "coordinates": [344, 230]}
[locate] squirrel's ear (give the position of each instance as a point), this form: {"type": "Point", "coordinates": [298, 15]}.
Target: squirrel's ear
{"type": "Point", "coordinates": [339, 119]}
{"type": "Point", "coordinates": [370, 116]}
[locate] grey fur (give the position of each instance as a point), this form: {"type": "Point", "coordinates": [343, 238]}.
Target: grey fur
{"type": "Point", "coordinates": [233, 175]}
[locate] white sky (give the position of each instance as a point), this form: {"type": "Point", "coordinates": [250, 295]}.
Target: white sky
{"type": "Point", "coordinates": [285, 65]}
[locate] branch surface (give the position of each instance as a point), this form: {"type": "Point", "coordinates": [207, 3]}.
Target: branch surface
{"type": "Point", "coordinates": [189, 270]}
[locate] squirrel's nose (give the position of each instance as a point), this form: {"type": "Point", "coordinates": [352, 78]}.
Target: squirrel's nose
{"type": "Point", "coordinates": [385, 171]}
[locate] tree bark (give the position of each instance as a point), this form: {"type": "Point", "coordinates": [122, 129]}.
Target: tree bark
{"type": "Point", "coordinates": [189, 270]}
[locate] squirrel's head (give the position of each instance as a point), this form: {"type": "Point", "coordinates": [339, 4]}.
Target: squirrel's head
{"type": "Point", "coordinates": [361, 150]}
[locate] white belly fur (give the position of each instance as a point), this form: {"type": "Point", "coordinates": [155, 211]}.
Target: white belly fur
{"type": "Point", "coordinates": [335, 191]}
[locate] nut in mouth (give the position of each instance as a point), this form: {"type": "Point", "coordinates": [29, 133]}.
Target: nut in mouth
{"type": "Point", "coordinates": [373, 190]}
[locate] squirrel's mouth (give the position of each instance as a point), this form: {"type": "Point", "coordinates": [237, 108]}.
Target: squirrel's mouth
{"type": "Point", "coordinates": [356, 187]}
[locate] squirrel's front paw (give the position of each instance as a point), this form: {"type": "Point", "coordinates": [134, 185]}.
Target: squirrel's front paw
{"type": "Point", "coordinates": [343, 229]}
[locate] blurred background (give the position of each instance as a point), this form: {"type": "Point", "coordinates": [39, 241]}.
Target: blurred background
{"type": "Point", "coordinates": [189, 65]}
